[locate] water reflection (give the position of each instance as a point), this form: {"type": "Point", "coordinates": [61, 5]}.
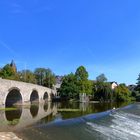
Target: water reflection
{"type": "Point", "coordinates": [47, 119]}
{"type": "Point", "coordinates": [34, 110]}
{"type": "Point", "coordinates": [45, 113]}
{"type": "Point", "coordinates": [13, 116]}
{"type": "Point", "coordinates": [72, 110]}
{"type": "Point", "coordinates": [21, 117]}
{"type": "Point", "coordinates": [45, 107]}
{"type": "Point", "coordinates": [57, 124]}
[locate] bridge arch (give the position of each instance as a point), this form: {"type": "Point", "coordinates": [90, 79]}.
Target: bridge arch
{"type": "Point", "coordinates": [13, 97]}
{"type": "Point", "coordinates": [46, 96]}
{"type": "Point", "coordinates": [34, 96]}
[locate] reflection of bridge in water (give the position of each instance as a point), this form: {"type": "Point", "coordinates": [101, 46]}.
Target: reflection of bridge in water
{"type": "Point", "coordinates": [18, 119]}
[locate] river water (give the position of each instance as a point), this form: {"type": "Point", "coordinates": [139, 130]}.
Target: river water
{"type": "Point", "coordinates": [74, 121]}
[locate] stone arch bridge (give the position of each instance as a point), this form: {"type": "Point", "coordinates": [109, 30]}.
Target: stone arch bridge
{"type": "Point", "coordinates": [14, 92]}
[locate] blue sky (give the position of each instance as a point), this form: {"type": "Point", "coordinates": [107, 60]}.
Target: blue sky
{"type": "Point", "coordinates": [103, 35]}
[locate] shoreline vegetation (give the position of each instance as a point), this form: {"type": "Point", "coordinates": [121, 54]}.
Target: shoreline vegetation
{"type": "Point", "coordinates": [8, 109]}
{"type": "Point", "coordinates": [75, 86]}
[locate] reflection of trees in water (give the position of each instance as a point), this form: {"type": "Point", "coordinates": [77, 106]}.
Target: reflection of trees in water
{"type": "Point", "coordinates": [69, 105]}
{"type": "Point", "coordinates": [100, 107]}
{"type": "Point", "coordinates": [13, 116]}
{"type": "Point", "coordinates": [87, 108]}
{"type": "Point", "coordinates": [34, 110]}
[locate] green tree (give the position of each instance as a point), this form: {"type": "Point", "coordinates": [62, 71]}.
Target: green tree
{"type": "Point", "coordinates": [27, 76]}
{"type": "Point", "coordinates": [69, 87]}
{"type": "Point", "coordinates": [84, 85]}
{"type": "Point", "coordinates": [49, 79]}
{"type": "Point", "coordinates": [7, 72]}
{"type": "Point", "coordinates": [101, 78]}
{"type": "Point", "coordinates": [45, 77]}
{"type": "Point", "coordinates": [40, 74]}
{"type": "Point", "coordinates": [122, 93]}
{"type": "Point", "coordinates": [81, 74]}
{"type": "Point", "coordinates": [103, 91]}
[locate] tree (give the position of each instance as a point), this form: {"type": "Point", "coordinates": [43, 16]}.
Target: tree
{"type": "Point", "coordinates": [69, 87]}
{"type": "Point", "coordinates": [103, 91]}
{"type": "Point", "coordinates": [27, 76]}
{"type": "Point", "coordinates": [81, 74]}
{"type": "Point", "coordinates": [8, 72]}
{"type": "Point", "coordinates": [83, 83]}
{"type": "Point", "coordinates": [49, 79]}
{"type": "Point", "coordinates": [40, 74]}
{"type": "Point", "coordinates": [101, 78]}
{"type": "Point", "coordinates": [122, 93]}
{"type": "Point", "coordinates": [45, 77]}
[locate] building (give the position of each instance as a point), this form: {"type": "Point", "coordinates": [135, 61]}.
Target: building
{"type": "Point", "coordinates": [58, 83]}
{"type": "Point", "coordinates": [13, 65]}
{"type": "Point", "coordinates": [113, 85]}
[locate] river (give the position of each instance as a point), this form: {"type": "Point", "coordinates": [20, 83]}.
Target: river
{"type": "Point", "coordinates": [74, 121]}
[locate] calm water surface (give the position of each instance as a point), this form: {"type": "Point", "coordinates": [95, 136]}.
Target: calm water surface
{"type": "Point", "coordinates": [74, 121]}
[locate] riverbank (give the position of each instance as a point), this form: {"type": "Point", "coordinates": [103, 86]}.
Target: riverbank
{"type": "Point", "coordinates": [8, 136]}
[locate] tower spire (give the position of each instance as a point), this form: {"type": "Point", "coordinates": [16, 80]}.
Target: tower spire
{"type": "Point", "coordinates": [13, 65]}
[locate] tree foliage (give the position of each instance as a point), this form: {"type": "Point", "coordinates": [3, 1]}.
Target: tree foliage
{"type": "Point", "coordinates": [7, 72]}
{"type": "Point", "coordinates": [122, 93]}
{"type": "Point", "coordinates": [103, 91]}
{"type": "Point", "coordinates": [45, 77]}
{"type": "Point", "coordinates": [49, 79]}
{"type": "Point", "coordinates": [83, 84]}
{"type": "Point", "coordinates": [40, 75]}
{"type": "Point", "coordinates": [27, 76]}
{"type": "Point", "coordinates": [101, 78]}
{"type": "Point", "coordinates": [74, 84]}
{"type": "Point", "coordinates": [69, 87]}
{"type": "Point", "coordinates": [81, 74]}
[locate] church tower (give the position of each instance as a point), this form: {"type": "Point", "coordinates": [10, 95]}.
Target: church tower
{"type": "Point", "coordinates": [13, 65]}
